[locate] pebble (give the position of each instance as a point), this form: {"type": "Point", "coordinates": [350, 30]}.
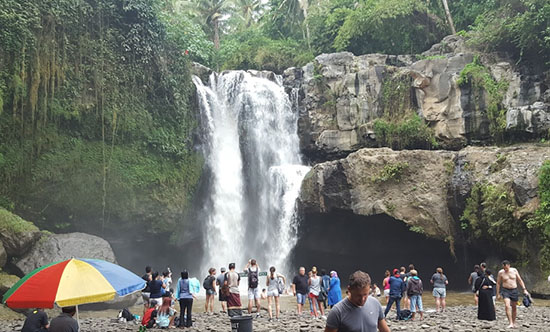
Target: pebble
{"type": "Point", "coordinates": [456, 319]}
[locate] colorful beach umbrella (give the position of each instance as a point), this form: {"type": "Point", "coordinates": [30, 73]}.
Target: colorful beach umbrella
{"type": "Point", "coordinates": [72, 282]}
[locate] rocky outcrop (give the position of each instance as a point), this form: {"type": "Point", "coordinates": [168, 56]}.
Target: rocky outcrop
{"type": "Point", "coordinates": [17, 235]}
{"type": "Point", "coordinates": [58, 247]}
{"type": "Point", "coordinates": [6, 282]}
{"type": "Point", "coordinates": [421, 188]}
{"type": "Point", "coordinates": [3, 255]}
{"type": "Point", "coordinates": [340, 95]}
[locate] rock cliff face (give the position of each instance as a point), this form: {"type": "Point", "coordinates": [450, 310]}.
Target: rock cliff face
{"type": "Point", "coordinates": [340, 95]}
{"type": "Point", "coordinates": [421, 188]}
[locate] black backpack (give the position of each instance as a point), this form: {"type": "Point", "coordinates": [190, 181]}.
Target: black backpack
{"type": "Point", "coordinates": [126, 314]}
{"type": "Point", "coordinates": [207, 283]}
{"type": "Point", "coordinates": [405, 315]}
{"type": "Point", "coordinates": [252, 278]}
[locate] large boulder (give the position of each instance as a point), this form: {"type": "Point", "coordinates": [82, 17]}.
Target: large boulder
{"type": "Point", "coordinates": [541, 289]}
{"type": "Point", "coordinates": [58, 247]}
{"type": "Point", "coordinates": [16, 234]}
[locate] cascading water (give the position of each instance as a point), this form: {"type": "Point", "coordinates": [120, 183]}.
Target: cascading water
{"type": "Point", "coordinates": [252, 151]}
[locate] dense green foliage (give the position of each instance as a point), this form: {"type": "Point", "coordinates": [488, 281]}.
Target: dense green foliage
{"type": "Point", "coordinates": [489, 214]}
{"type": "Point", "coordinates": [12, 224]}
{"type": "Point", "coordinates": [540, 222]}
{"type": "Point", "coordinates": [391, 172]}
{"type": "Point", "coordinates": [401, 127]}
{"type": "Point", "coordinates": [97, 119]}
{"type": "Point", "coordinates": [483, 84]}
{"type": "Point", "coordinates": [520, 28]}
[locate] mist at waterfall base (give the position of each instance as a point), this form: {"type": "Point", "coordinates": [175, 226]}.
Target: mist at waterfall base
{"type": "Point", "coordinates": [252, 156]}
{"type": "Point", "coordinates": [346, 242]}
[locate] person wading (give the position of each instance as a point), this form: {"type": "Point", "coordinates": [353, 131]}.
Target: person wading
{"type": "Point", "coordinates": [507, 287]}
{"type": "Point", "coordinates": [358, 312]}
{"type": "Point", "coordinates": [440, 282]}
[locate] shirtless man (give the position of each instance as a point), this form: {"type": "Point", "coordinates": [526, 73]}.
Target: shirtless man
{"type": "Point", "coordinates": [509, 278]}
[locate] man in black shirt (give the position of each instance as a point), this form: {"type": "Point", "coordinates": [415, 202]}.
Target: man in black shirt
{"type": "Point", "coordinates": [37, 321]}
{"type": "Point", "coordinates": [65, 322]}
{"type": "Point", "coordinates": [300, 288]}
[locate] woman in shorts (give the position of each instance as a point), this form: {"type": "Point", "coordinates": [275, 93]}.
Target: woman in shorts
{"type": "Point", "coordinates": [386, 285]}
{"type": "Point", "coordinates": [440, 282]}
{"type": "Point", "coordinates": [272, 283]}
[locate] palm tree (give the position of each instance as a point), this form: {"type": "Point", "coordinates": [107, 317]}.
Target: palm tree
{"type": "Point", "coordinates": [248, 10]}
{"type": "Point", "coordinates": [209, 12]}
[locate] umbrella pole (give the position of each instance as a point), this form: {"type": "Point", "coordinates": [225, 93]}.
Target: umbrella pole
{"type": "Point", "coordinates": [77, 318]}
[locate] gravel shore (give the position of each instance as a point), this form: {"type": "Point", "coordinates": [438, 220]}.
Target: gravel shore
{"type": "Point", "coordinates": [459, 318]}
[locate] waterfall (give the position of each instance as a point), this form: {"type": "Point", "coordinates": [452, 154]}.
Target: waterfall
{"type": "Point", "coordinates": [251, 148]}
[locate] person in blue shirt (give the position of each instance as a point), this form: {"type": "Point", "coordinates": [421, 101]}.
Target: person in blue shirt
{"type": "Point", "coordinates": [185, 297]}
{"type": "Point", "coordinates": [334, 291]}
{"type": "Point", "coordinates": [397, 287]}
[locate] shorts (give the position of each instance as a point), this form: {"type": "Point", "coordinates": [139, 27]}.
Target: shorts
{"type": "Point", "coordinates": [386, 292]}
{"type": "Point", "coordinates": [313, 296]}
{"type": "Point", "coordinates": [254, 293]}
{"type": "Point", "coordinates": [300, 298]}
{"type": "Point", "coordinates": [221, 297]}
{"type": "Point", "coordinates": [210, 292]}
{"type": "Point", "coordinates": [439, 293]}
{"type": "Point", "coordinates": [511, 294]}
{"type": "Point", "coordinates": [274, 293]}
{"type": "Point", "coordinates": [416, 302]}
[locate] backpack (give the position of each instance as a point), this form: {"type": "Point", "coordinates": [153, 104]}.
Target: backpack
{"type": "Point", "coordinates": [405, 315]}
{"type": "Point", "coordinates": [252, 278]}
{"type": "Point", "coordinates": [280, 285]}
{"type": "Point", "coordinates": [207, 283]}
{"type": "Point", "coordinates": [126, 314]}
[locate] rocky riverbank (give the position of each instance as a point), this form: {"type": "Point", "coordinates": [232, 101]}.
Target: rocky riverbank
{"type": "Point", "coordinates": [456, 318]}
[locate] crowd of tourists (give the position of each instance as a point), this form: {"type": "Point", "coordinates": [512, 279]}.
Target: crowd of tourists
{"type": "Point", "coordinates": [359, 310]}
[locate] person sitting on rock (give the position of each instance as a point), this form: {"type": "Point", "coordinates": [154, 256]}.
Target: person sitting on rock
{"type": "Point", "coordinates": [150, 315]}
{"type": "Point", "coordinates": [166, 314]}
{"type": "Point", "coordinates": [37, 321]}
{"type": "Point", "coordinates": [65, 322]}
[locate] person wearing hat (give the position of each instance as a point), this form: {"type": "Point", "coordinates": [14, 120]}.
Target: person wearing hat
{"type": "Point", "coordinates": [414, 292]}
{"type": "Point", "coordinates": [221, 295]}
{"type": "Point", "coordinates": [397, 287]}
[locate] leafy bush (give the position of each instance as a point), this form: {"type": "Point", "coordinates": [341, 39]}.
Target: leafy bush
{"type": "Point", "coordinates": [409, 133]}
{"type": "Point", "coordinates": [391, 172]}
{"type": "Point", "coordinates": [518, 27]}
{"type": "Point", "coordinates": [489, 214]}
{"type": "Point", "coordinates": [253, 50]}
{"type": "Point", "coordinates": [389, 26]}
{"type": "Point", "coordinates": [479, 78]}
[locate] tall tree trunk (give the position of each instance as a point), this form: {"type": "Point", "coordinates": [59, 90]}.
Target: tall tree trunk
{"type": "Point", "coordinates": [449, 18]}
{"type": "Point", "coordinates": [216, 33]}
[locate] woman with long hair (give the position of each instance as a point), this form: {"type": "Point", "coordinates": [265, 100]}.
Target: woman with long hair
{"type": "Point", "coordinates": [386, 285]}
{"type": "Point", "coordinates": [166, 314]}
{"type": "Point", "coordinates": [272, 283]}
{"type": "Point", "coordinates": [440, 282]}
{"type": "Point", "coordinates": [183, 293]}
{"type": "Point", "coordinates": [210, 287]}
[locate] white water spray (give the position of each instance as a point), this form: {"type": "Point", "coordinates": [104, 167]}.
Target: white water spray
{"type": "Point", "coordinates": [252, 151]}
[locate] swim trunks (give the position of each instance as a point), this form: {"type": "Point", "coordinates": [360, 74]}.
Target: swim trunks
{"type": "Point", "coordinates": [511, 294]}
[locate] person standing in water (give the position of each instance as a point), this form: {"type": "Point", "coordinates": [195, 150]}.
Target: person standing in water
{"type": "Point", "coordinates": [358, 311]}
{"type": "Point", "coordinates": [440, 282]}
{"type": "Point", "coordinates": [507, 287]}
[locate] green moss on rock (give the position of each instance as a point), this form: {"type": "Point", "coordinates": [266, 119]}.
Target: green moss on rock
{"type": "Point", "coordinates": [11, 223]}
